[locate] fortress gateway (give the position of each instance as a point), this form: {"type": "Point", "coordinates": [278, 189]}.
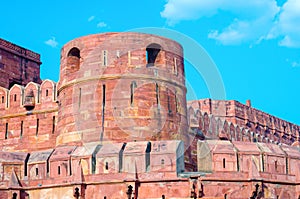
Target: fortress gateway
{"type": "Point", "coordinates": [117, 125]}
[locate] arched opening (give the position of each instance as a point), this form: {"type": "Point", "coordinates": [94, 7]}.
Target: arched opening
{"type": "Point", "coordinates": [76, 193]}
{"type": "Point", "coordinates": [15, 195]}
{"type": "Point", "coordinates": [152, 52]}
{"type": "Point", "coordinates": [73, 60]}
{"type": "Point", "coordinates": [74, 52]}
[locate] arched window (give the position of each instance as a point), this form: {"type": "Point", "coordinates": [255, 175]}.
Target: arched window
{"type": "Point", "coordinates": [74, 52]}
{"type": "Point", "coordinates": [73, 60]}
{"type": "Point", "coordinates": [15, 195]}
{"type": "Point", "coordinates": [152, 51]}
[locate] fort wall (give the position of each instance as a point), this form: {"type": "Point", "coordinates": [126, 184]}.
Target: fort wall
{"type": "Point", "coordinates": [18, 65]}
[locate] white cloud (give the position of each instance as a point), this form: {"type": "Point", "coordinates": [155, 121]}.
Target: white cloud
{"type": "Point", "coordinates": [254, 21]}
{"type": "Point", "coordinates": [52, 42]}
{"type": "Point", "coordinates": [101, 24]}
{"type": "Point", "coordinates": [91, 18]}
{"type": "Point", "coordinates": [287, 25]}
{"type": "Point", "coordinates": [294, 64]}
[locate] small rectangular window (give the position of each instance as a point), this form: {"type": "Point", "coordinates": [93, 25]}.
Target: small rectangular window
{"type": "Point", "coordinates": [104, 58]}
{"type": "Point", "coordinates": [36, 171]}
{"type": "Point", "coordinates": [2, 99]}
{"type": "Point", "coordinates": [21, 132]}
{"type": "Point", "coordinates": [6, 130]}
{"type": "Point", "coordinates": [58, 170]}
{"type": "Point", "coordinates": [15, 97]}
{"type": "Point", "coordinates": [53, 124]}
{"type": "Point", "coordinates": [37, 126]}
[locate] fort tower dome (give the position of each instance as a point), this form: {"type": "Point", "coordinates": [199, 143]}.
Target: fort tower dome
{"type": "Point", "coordinates": [121, 87]}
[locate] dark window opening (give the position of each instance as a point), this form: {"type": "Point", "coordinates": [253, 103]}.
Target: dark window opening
{"type": "Point", "coordinates": [47, 93]}
{"type": "Point", "coordinates": [15, 97]}
{"type": "Point", "coordinates": [2, 99]}
{"type": "Point", "coordinates": [151, 53]}
{"type": "Point", "coordinates": [106, 165]}
{"type": "Point", "coordinates": [36, 171]}
{"type": "Point", "coordinates": [21, 132]}
{"type": "Point", "coordinates": [37, 127]}
{"type": "Point", "coordinates": [103, 110]}
{"type": "Point", "coordinates": [6, 130]}
{"type": "Point", "coordinates": [276, 165]}
{"type": "Point", "coordinates": [163, 197]}
{"type": "Point", "coordinates": [224, 163]}
{"type": "Point", "coordinates": [53, 124]}
{"type": "Point", "coordinates": [287, 165]}
{"type": "Point", "coordinates": [157, 93]}
{"type": "Point", "coordinates": [58, 170]}
{"type": "Point", "coordinates": [15, 195]}
{"type": "Point", "coordinates": [147, 156]}
{"type": "Point", "coordinates": [168, 100]}
{"type": "Point", "coordinates": [76, 193]}
{"type": "Point", "coordinates": [104, 197]}
{"type": "Point", "coordinates": [104, 56]}
{"type": "Point", "coordinates": [74, 52]}
{"type": "Point", "coordinates": [73, 60]}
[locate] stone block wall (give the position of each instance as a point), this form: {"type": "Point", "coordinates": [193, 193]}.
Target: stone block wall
{"type": "Point", "coordinates": [18, 65]}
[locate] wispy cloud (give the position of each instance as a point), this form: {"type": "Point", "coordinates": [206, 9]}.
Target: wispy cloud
{"type": "Point", "coordinates": [52, 42]}
{"type": "Point", "coordinates": [254, 20]}
{"type": "Point", "coordinates": [91, 18]}
{"type": "Point", "coordinates": [101, 24]}
{"type": "Point", "coordinates": [294, 64]}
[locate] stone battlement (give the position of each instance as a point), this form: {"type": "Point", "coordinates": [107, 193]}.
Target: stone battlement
{"type": "Point", "coordinates": [236, 118]}
{"type": "Point", "coordinates": [28, 116]}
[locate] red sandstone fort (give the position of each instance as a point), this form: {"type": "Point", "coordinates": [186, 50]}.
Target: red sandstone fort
{"type": "Point", "coordinates": [117, 125]}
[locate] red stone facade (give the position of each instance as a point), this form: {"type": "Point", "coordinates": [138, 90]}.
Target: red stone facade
{"type": "Point", "coordinates": [18, 65]}
{"type": "Point", "coordinates": [117, 125]}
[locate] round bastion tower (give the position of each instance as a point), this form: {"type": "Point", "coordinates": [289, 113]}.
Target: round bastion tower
{"type": "Point", "coordinates": [121, 87]}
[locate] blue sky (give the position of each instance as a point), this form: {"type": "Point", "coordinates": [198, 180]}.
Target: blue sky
{"type": "Point", "coordinates": [255, 45]}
